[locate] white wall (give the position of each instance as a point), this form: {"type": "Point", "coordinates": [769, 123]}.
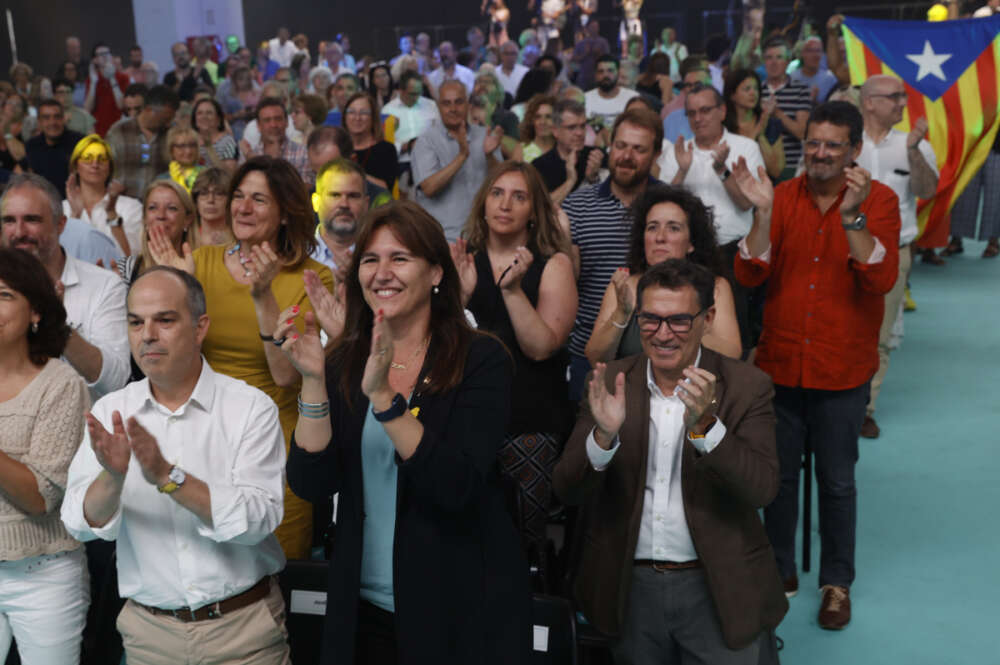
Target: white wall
{"type": "Point", "coordinates": [160, 23]}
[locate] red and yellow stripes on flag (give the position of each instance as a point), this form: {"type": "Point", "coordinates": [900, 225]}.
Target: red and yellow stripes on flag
{"type": "Point", "coordinates": [963, 125]}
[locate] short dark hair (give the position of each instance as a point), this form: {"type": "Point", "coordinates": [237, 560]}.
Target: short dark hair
{"type": "Point", "coordinates": [408, 75]}
{"type": "Point", "coordinates": [49, 102]}
{"type": "Point", "coordinates": [556, 62]}
{"type": "Point", "coordinates": [267, 102]}
{"type": "Point", "coordinates": [194, 293]}
{"type": "Point", "coordinates": [567, 106]}
{"type": "Point", "coordinates": [841, 114]}
{"type": "Point", "coordinates": [705, 87]}
{"type": "Point", "coordinates": [62, 82]}
{"type": "Point", "coordinates": [675, 274]}
{"type": "Point", "coordinates": [314, 106]}
{"type": "Point", "coordinates": [137, 89]}
{"type": "Point", "coordinates": [694, 63]}
{"type": "Point", "coordinates": [340, 165]}
{"type": "Point", "coordinates": [25, 274]}
{"type": "Point", "coordinates": [336, 135]}
{"type": "Point", "coordinates": [134, 47]}
{"type": "Point", "coordinates": [701, 227]}
{"type": "Point", "coordinates": [218, 112]}
{"type": "Point", "coordinates": [641, 118]}
{"type": "Point", "coordinates": [161, 95]}
{"type": "Point", "coordinates": [98, 45]}
{"type": "Point", "coordinates": [607, 57]}
{"type": "Point", "coordinates": [775, 42]}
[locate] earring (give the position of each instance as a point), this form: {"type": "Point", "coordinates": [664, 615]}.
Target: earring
{"type": "Point", "coordinates": [34, 326]}
{"type": "Point", "coordinates": [436, 290]}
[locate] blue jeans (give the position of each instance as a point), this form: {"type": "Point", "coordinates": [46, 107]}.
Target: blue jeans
{"type": "Point", "coordinates": [829, 420]}
{"type": "Point", "coordinates": [578, 368]}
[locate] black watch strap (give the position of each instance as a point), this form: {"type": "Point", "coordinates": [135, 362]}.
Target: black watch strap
{"type": "Point", "coordinates": [395, 410]}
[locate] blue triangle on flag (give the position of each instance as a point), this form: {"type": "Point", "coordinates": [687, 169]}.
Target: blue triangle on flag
{"type": "Point", "coordinates": [928, 56]}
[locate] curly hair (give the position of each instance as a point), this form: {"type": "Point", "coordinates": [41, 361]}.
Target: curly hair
{"type": "Point", "coordinates": [700, 220]}
{"type": "Point", "coordinates": [527, 129]}
{"type": "Point", "coordinates": [23, 273]}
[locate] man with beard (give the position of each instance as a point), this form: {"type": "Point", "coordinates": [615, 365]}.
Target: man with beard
{"type": "Point", "coordinates": [185, 77]}
{"type": "Point", "coordinates": [139, 144]}
{"type": "Point", "coordinates": [450, 70]}
{"type": "Point", "coordinates": [134, 69]}
{"type": "Point", "coordinates": [827, 242]}
{"type": "Point", "coordinates": [339, 200]}
{"type": "Point", "coordinates": [600, 224]}
{"type": "Point", "coordinates": [608, 99]}
{"type": "Point", "coordinates": [325, 144]}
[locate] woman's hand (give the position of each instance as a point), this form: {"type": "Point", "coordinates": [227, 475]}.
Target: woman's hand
{"type": "Point", "coordinates": [465, 264]}
{"type": "Point", "coordinates": [304, 351]}
{"type": "Point", "coordinates": [329, 307]}
{"type": "Point", "coordinates": [115, 189]}
{"type": "Point", "coordinates": [624, 293]}
{"type": "Point", "coordinates": [165, 254]}
{"type": "Point", "coordinates": [375, 381]}
{"type": "Point", "coordinates": [74, 196]}
{"type": "Point", "coordinates": [518, 269]}
{"type": "Point", "coordinates": [263, 264]}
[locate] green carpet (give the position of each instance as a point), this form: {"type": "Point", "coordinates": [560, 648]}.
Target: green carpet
{"type": "Point", "coordinates": [928, 492]}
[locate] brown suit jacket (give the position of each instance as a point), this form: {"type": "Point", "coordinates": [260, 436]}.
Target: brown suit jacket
{"type": "Point", "coordinates": [722, 492]}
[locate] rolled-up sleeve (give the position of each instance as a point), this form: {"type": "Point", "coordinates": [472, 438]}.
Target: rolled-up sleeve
{"type": "Point", "coordinates": [108, 332]}
{"type": "Point", "coordinates": [248, 507]}
{"type": "Point", "coordinates": [83, 471]}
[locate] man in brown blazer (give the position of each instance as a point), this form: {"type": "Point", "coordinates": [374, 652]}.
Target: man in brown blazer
{"type": "Point", "coordinates": [671, 457]}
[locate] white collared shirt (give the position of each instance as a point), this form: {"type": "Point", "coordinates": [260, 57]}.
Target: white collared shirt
{"type": "Point", "coordinates": [512, 80]}
{"type": "Point", "coordinates": [731, 222]}
{"type": "Point", "coordinates": [413, 121]}
{"type": "Point", "coordinates": [95, 309]}
{"type": "Point", "coordinates": [227, 435]}
{"type": "Point", "coordinates": [663, 531]}
{"type": "Point", "coordinates": [888, 163]}
{"type": "Point", "coordinates": [129, 212]}
{"type": "Point", "coordinates": [460, 73]}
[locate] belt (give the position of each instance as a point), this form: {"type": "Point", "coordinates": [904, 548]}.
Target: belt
{"type": "Point", "coordinates": [661, 566]}
{"type": "Point", "coordinates": [217, 609]}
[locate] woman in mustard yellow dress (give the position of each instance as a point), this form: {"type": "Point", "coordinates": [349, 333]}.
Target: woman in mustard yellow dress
{"type": "Point", "coordinates": [247, 284]}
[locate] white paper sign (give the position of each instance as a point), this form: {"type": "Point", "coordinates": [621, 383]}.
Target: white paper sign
{"type": "Point", "coordinates": [541, 638]}
{"type": "Point", "coordinates": [308, 602]}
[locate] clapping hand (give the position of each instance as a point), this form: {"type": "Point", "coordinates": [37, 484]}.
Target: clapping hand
{"type": "Point", "coordinates": [683, 154]}
{"type": "Point", "coordinates": [330, 308]}
{"type": "Point", "coordinates": [511, 280]}
{"type": "Point", "coordinates": [74, 195]}
{"type": "Point", "coordinates": [624, 294]}
{"type": "Point", "coordinates": [859, 184]}
{"type": "Point", "coordinates": [305, 351]}
{"type": "Point", "coordinates": [594, 159]}
{"type": "Point", "coordinates": [111, 448]}
{"type": "Point", "coordinates": [165, 254]}
{"type": "Point", "coordinates": [492, 140]}
{"type": "Point", "coordinates": [608, 408]}
{"type": "Point", "coordinates": [115, 189]}
{"type": "Point", "coordinates": [917, 133]}
{"type": "Point", "coordinates": [720, 153]}
{"type": "Point", "coordinates": [155, 468]}
{"type": "Point", "coordinates": [698, 394]}
{"type": "Point", "coordinates": [768, 105]}
{"type": "Point", "coordinates": [465, 264]}
{"type": "Point", "coordinates": [375, 380]}
{"type": "Point", "coordinates": [759, 192]}
{"type": "Point", "coordinates": [263, 264]}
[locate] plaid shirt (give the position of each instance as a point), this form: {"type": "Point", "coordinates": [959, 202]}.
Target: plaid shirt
{"type": "Point", "coordinates": [292, 152]}
{"type": "Point", "coordinates": [137, 161]}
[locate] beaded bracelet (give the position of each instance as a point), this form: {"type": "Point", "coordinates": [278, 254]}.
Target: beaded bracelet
{"type": "Point", "coordinates": [312, 409]}
{"type": "Point", "coordinates": [620, 326]}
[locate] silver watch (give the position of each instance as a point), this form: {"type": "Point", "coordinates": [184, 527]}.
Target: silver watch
{"type": "Point", "coordinates": [859, 223]}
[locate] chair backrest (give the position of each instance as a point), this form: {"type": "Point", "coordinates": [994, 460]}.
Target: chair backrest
{"type": "Point", "coordinates": [304, 586]}
{"type": "Point", "coordinates": [554, 631]}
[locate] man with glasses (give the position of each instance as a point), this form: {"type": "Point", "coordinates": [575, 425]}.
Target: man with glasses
{"type": "Point", "coordinates": [185, 77]}
{"type": "Point", "coordinates": [693, 71]}
{"type": "Point", "coordinates": [704, 165]}
{"type": "Point", "coordinates": [907, 164]}
{"type": "Point", "coordinates": [787, 101]}
{"type": "Point", "coordinates": [104, 89]}
{"type": "Point", "coordinates": [139, 144]}
{"type": "Point", "coordinates": [570, 163]}
{"type": "Point", "coordinates": [827, 243]}
{"type": "Point", "coordinates": [49, 152]}
{"type": "Point", "coordinates": [77, 119]}
{"type": "Point", "coordinates": [814, 77]}
{"type": "Point", "coordinates": [674, 453]}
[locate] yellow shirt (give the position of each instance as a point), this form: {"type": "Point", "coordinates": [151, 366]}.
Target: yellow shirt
{"type": "Point", "coordinates": [233, 347]}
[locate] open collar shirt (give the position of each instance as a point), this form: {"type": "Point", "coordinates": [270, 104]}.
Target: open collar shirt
{"type": "Point", "coordinates": [227, 435]}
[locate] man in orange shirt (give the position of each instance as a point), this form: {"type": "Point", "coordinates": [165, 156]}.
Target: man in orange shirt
{"type": "Point", "coordinates": [827, 242]}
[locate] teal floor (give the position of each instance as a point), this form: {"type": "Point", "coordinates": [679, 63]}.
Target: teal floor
{"type": "Point", "coordinates": [928, 549]}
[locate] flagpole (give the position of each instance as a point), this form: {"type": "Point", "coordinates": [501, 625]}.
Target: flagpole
{"type": "Point", "coordinates": [10, 31]}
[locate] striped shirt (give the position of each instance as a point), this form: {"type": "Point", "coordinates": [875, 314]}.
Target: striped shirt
{"type": "Point", "coordinates": [792, 98]}
{"type": "Point", "coordinates": [600, 227]}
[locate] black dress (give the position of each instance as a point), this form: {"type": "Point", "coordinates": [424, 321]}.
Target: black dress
{"type": "Point", "coordinates": [460, 578]}
{"type": "Point", "coordinates": [380, 161]}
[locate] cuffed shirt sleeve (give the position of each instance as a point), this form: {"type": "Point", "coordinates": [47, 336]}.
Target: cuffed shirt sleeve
{"type": "Point", "coordinates": [599, 457]}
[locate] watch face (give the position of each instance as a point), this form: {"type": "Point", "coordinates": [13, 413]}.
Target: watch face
{"type": "Point", "coordinates": [177, 475]}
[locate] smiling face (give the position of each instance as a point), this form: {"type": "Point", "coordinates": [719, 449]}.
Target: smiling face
{"type": "Point", "coordinates": [705, 114]}
{"type": "Point", "coordinates": [833, 153]}
{"type": "Point", "coordinates": [255, 212]}
{"type": "Point", "coordinates": [16, 316]}
{"type": "Point", "coordinates": [27, 223]}
{"type": "Point", "coordinates": [165, 340]}
{"type": "Point", "coordinates": [272, 122]}
{"type": "Point", "coordinates": [358, 117]}
{"type": "Point", "coordinates": [632, 155]}
{"type": "Point", "coordinates": [343, 89]}
{"type": "Point", "coordinates": [184, 150]}
{"type": "Point", "coordinates": [52, 121]}
{"type": "Point", "coordinates": [206, 119]}
{"type": "Point", "coordinates": [671, 352]}
{"type": "Point", "coordinates": [164, 210]}
{"type": "Point", "coordinates": [395, 280]}
{"type": "Point", "coordinates": [508, 205]}
{"type": "Point", "coordinates": [667, 234]}
{"type": "Point", "coordinates": [543, 122]}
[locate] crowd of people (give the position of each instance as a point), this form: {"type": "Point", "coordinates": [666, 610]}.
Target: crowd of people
{"type": "Point", "coordinates": [400, 313]}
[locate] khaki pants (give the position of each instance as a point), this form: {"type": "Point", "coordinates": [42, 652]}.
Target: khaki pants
{"type": "Point", "coordinates": [253, 635]}
{"type": "Point", "coordinates": [892, 302]}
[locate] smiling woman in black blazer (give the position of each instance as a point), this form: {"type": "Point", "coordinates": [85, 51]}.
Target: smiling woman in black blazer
{"type": "Point", "coordinates": [427, 566]}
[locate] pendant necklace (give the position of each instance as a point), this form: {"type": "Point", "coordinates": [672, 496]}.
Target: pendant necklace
{"type": "Point", "coordinates": [400, 366]}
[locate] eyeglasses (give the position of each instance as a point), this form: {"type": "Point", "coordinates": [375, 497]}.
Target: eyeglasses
{"type": "Point", "coordinates": [813, 145]}
{"type": "Point", "coordinates": [189, 146]}
{"type": "Point", "coordinates": [895, 96]}
{"type": "Point", "coordinates": [704, 110]}
{"type": "Point", "coordinates": [678, 324]}
{"type": "Point", "coordinates": [94, 159]}
{"type": "Point", "coordinates": [363, 113]}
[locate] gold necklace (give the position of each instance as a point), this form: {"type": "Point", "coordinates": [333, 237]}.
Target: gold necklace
{"type": "Point", "coordinates": [400, 366]}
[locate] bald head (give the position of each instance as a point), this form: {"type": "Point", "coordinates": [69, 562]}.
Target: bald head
{"type": "Point", "coordinates": [880, 84]}
{"type": "Point", "coordinates": [883, 99]}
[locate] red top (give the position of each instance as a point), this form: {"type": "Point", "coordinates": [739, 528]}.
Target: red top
{"type": "Point", "coordinates": [823, 308]}
{"type": "Point", "coordinates": [106, 112]}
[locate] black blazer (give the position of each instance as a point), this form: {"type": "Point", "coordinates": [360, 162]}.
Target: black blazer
{"type": "Point", "coordinates": [460, 576]}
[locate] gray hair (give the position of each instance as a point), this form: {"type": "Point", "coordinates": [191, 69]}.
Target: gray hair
{"type": "Point", "coordinates": [38, 182]}
{"type": "Point", "coordinates": [195, 294]}
{"type": "Point", "coordinates": [567, 106]}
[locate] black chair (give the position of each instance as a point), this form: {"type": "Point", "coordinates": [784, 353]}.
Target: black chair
{"type": "Point", "coordinates": [554, 631]}
{"type": "Point", "coordinates": [304, 587]}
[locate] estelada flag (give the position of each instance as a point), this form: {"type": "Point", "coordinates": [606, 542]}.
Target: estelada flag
{"type": "Point", "coordinates": [951, 73]}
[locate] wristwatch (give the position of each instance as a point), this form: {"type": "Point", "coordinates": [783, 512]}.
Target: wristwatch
{"type": "Point", "coordinates": [117, 221]}
{"type": "Point", "coordinates": [395, 410]}
{"type": "Point", "coordinates": [175, 479]}
{"type": "Point", "coordinates": [725, 174]}
{"type": "Point", "coordinates": [859, 223]}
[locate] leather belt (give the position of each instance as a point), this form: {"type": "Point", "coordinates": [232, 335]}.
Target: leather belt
{"type": "Point", "coordinates": [217, 609]}
{"type": "Point", "coordinates": [661, 566]}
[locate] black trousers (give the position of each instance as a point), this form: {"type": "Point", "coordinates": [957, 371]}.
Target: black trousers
{"type": "Point", "coordinates": [375, 641]}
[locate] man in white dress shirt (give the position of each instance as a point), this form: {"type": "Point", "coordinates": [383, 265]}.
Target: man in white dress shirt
{"type": "Point", "coordinates": [184, 469]}
{"type": "Point", "coordinates": [450, 70]}
{"type": "Point", "coordinates": [282, 49]}
{"type": "Point", "coordinates": [31, 216]}
{"type": "Point", "coordinates": [907, 164]}
{"type": "Point", "coordinates": [510, 72]}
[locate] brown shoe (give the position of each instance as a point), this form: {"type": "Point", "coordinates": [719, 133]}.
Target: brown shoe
{"type": "Point", "coordinates": [930, 257]}
{"type": "Point", "coordinates": [791, 585]}
{"type": "Point", "coordinates": [835, 610]}
{"type": "Point", "coordinates": [869, 428]}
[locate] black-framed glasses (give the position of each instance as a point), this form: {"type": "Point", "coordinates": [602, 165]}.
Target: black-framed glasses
{"type": "Point", "coordinates": [679, 324]}
{"type": "Point", "coordinates": [704, 110]}
{"type": "Point", "coordinates": [894, 96]}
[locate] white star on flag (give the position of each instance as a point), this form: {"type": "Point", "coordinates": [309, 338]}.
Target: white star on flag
{"type": "Point", "coordinates": [929, 62]}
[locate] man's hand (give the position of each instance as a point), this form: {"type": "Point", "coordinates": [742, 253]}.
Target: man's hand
{"type": "Point", "coordinates": [917, 133]}
{"type": "Point", "coordinates": [571, 166]}
{"type": "Point", "coordinates": [462, 137]}
{"type": "Point", "coordinates": [683, 154]}
{"type": "Point", "coordinates": [594, 159]}
{"type": "Point", "coordinates": [607, 408]}
{"type": "Point", "coordinates": [769, 105]}
{"type": "Point", "coordinates": [697, 391]}
{"type": "Point", "coordinates": [155, 468]}
{"type": "Point", "coordinates": [859, 184]}
{"type": "Point", "coordinates": [720, 153]}
{"type": "Point", "coordinates": [759, 192]}
{"type": "Point", "coordinates": [492, 140]}
{"type": "Point", "coordinates": [111, 449]}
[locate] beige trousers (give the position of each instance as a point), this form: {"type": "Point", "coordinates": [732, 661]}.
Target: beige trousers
{"type": "Point", "coordinates": [253, 635]}
{"type": "Point", "coordinates": [892, 302]}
